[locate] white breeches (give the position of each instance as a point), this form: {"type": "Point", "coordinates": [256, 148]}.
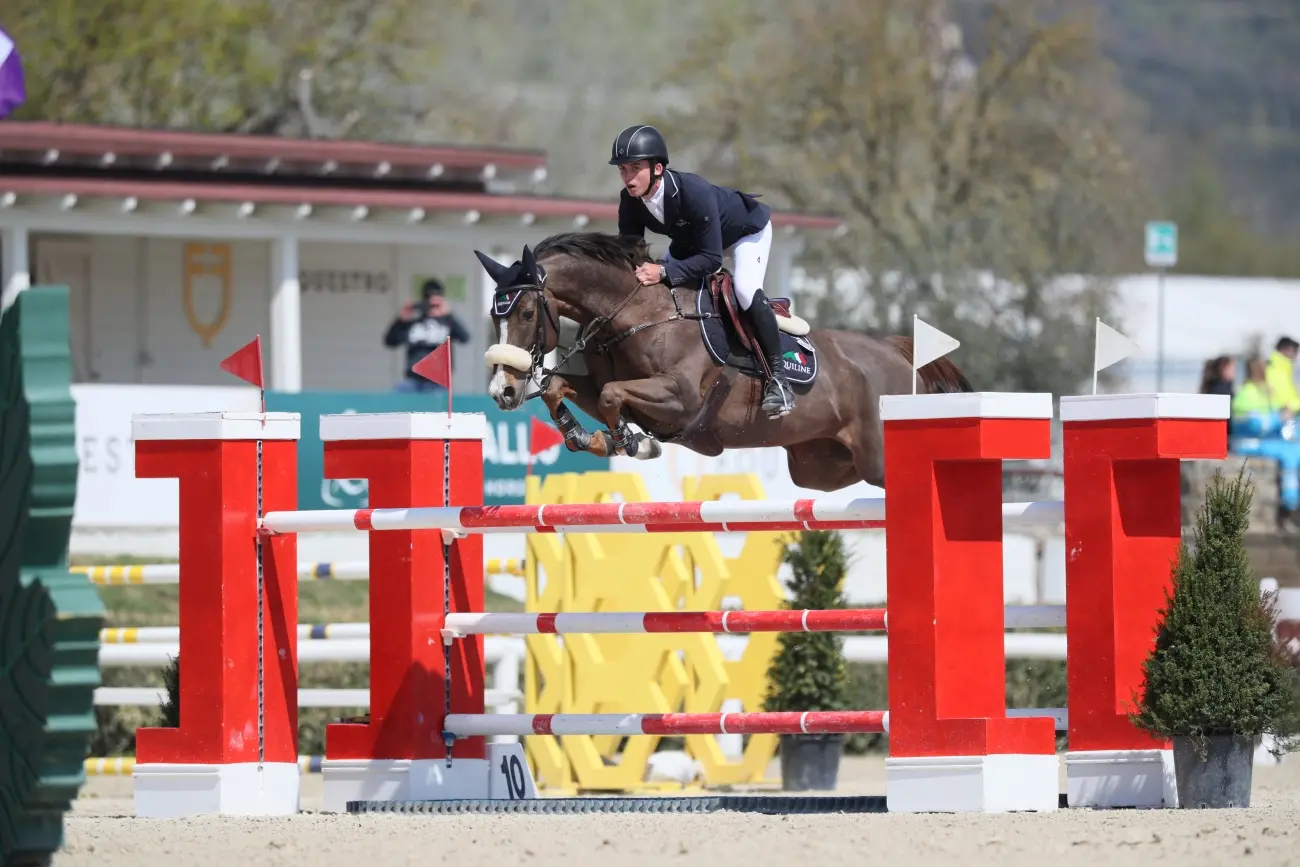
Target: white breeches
{"type": "Point", "coordinates": [750, 256]}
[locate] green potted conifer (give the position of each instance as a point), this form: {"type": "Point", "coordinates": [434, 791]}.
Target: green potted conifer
{"type": "Point", "coordinates": [808, 671]}
{"type": "Point", "coordinates": [1217, 678]}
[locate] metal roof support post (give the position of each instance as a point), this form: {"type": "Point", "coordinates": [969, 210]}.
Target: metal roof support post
{"type": "Point", "coordinates": [286, 315]}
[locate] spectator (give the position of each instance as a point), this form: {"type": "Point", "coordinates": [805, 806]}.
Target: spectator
{"type": "Point", "coordinates": [1220, 377]}
{"type": "Point", "coordinates": [1281, 377]}
{"type": "Point", "coordinates": [1253, 396]}
{"type": "Point", "coordinates": [1260, 427]}
{"type": "Point", "coordinates": [422, 327]}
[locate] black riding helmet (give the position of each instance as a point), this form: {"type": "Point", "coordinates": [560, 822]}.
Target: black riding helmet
{"type": "Point", "coordinates": [639, 142]}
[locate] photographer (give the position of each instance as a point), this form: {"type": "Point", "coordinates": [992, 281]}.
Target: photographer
{"type": "Point", "coordinates": [422, 327]}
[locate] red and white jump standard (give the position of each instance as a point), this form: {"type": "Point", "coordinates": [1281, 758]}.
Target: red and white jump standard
{"type": "Point", "coordinates": [952, 746]}
{"type": "Point", "coordinates": [415, 460]}
{"type": "Point", "coordinates": [236, 750]}
{"type": "Point", "coordinates": [1124, 523]}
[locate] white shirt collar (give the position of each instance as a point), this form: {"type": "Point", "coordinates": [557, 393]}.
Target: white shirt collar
{"type": "Point", "coordinates": [654, 203]}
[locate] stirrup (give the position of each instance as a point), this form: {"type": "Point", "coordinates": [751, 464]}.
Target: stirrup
{"type": "Point", "coordinates": [783, 394]}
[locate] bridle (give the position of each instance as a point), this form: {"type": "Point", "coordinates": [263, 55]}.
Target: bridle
{"type": "Point", "coordinates": [508, 297]}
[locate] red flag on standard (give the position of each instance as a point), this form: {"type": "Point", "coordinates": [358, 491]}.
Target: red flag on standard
{"type": "Point", "coordinates": [542, 436]}
{"type": "Point", "coordinates": [436, 366]}
{"type": "Point", "coordinates": [246, 362]}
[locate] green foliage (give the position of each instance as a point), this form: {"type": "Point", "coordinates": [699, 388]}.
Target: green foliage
{"type": "Point", "coordinates": [809, 671]}
{"type": "Point", "coordinates": [1217, 241]}
{"type": "Point", "coordinates": [225, 65]}
{"type": "Point", "coordinates": [1216, 667]}
{"type": "Point", "coordinates": [171, 703]}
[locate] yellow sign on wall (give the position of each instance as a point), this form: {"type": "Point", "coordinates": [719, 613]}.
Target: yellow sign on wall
{"type": "Point", "coordinates": [659, 673]}
{"type": "Point", "coordinates": [208, 288]}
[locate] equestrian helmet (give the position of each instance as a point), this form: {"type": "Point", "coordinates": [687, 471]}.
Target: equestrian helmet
{"type": "Point", "coordinates": [638, 142]}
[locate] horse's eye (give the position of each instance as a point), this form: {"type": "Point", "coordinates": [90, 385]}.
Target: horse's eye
{"type": "Point", "coordinates": [528, 314]}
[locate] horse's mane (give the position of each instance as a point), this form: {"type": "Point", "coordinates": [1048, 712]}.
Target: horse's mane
{"type": "Point", "coordinates": [621, 251]}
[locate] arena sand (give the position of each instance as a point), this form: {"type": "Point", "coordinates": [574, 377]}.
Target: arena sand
{"type": "Point", "coordinates": [102, 832]}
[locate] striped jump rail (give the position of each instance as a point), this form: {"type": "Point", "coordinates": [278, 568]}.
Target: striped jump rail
{"type": "Point", "coordinates": [699, 516]}
{"type": "Point", "coordinates": [170, 573]}
{"type": "Point", "coordinates": [150, 696]}
{"type": "Point", "coordinates": [464, 725]}
{"type": "Point", "coordinates": [124, 766]}
{"type": "Point", "coordinates": [619, 622]}
{"type": "Point", "coordinates": [172, 634]}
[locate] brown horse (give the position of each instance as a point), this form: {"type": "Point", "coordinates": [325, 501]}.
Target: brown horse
{"type": "Point", "coordinates": [648, 363]}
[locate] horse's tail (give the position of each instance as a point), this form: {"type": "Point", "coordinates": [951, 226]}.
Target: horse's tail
{"type": "Point", "coordinates": [939, 376]}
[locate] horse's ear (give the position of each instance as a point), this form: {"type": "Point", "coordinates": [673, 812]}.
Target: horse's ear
{"type": "Point", "coordinates": [494, 268]}
{"type": "Point", "coordinates": [530, 266]}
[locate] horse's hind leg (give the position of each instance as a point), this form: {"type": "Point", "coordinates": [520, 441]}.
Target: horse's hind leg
{"type": "Point", "coordinates": [866, 443]}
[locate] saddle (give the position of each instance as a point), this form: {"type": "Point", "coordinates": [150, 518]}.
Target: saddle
{"type": "Point", "coordinates": [730, 340]}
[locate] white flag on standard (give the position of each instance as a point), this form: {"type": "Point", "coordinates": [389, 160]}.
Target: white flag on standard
{"type": "Point", "coordinates": [1110, 347]}
{"type": "Point", "coordinates": [928, 343]}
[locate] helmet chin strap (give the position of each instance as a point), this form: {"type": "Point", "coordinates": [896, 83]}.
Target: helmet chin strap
{"type": "Point", "coordinates": [653, 177]}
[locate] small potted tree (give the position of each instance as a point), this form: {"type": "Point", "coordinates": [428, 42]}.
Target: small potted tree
{"type": "Point", "coordinates": [808, 671]}
{"type": "Point", "coordinates": [1217, 678]}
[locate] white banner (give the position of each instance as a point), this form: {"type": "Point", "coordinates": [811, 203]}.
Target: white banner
{"type": "Point", "coordinates": [108, 493]}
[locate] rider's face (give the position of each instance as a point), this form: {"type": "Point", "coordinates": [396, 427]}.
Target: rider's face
{"type": "Point", "coordinates": [636, 177]}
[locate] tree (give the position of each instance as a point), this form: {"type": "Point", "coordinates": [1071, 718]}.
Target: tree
{"type": "Point", "coordinates": [808, 672]}
{"type": "Point", "coordinates": [1217, 668]}
{"type": "Point", "coordinates": [298, 67]}
{"type": "Point", "coordinates": [971, 180]}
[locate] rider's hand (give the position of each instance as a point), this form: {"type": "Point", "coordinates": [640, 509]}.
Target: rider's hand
{"type": "Point", "coordinates": [648, 273]}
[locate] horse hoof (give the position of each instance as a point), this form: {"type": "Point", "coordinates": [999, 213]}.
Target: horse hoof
{"type": "Point", "coordinates": [648, 449]}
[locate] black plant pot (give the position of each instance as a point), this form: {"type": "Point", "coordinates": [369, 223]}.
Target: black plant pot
{"type": "Point", "coordinates": [1222, 780]}
{"type": "Point", "coordinates": [810, 762]}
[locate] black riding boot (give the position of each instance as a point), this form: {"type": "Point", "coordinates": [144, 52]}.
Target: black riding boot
{"type": "Point", "coordinates": [778, 397]}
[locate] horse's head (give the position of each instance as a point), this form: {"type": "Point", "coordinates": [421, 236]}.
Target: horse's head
{"type": "Point", "coordinates": [527, 327]}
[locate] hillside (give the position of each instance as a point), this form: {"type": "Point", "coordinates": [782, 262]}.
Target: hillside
{"type": "Point", "coordinates": [1220, 80]}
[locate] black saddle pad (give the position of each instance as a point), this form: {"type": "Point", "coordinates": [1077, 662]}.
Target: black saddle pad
{"type": "Point", "coordinates": [798, 353]}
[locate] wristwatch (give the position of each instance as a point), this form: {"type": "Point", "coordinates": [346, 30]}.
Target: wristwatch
{"type": "Point", "coordinates": [663, 273]}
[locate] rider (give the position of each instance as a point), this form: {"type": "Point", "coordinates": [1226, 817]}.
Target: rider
{"type": "Point", "coordinates": [702, 220]}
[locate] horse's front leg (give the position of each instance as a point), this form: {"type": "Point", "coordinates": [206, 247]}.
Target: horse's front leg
{"type": "Point", "coordinates": [576, 437]}
{"type": "Point", "coordinates": [656, 397]}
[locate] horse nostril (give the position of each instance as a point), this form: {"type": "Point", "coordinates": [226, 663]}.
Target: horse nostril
{"type": "Point", "coordinates": [508, 393]}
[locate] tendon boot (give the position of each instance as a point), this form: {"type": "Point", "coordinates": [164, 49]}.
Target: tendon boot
{"type": "Point", "coordinates": [778, 397]}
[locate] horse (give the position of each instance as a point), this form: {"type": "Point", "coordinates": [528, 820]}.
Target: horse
{"type": "Point", "coordinates": [654, 358]}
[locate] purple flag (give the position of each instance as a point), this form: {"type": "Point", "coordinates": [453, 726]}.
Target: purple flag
{"type": "Point", "coordinates": [12, 90]}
